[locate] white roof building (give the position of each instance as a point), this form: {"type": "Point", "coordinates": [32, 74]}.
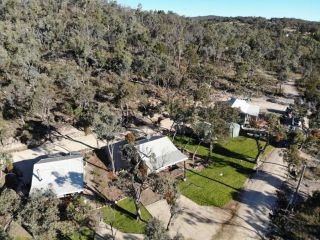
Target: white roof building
{"type": "Point", "coordinates": [63, 175]}
{"type": "Point", "coordinates": [159, 153]}
{"type": "Point", "coordinates": [245, 107]}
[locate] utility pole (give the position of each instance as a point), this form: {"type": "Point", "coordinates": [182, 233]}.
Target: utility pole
{"type": "Point", "coordinates": [297, 188]}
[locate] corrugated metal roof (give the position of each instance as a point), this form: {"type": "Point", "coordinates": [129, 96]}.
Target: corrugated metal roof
{"type": "Point", "coordinates": [61, 157]}
{"type": "Point", "coordinates": [63, 175]}
{"type": "Point", "coordinates": [245, 107]}
{"type": "Point", "coordinates": [159, 153]}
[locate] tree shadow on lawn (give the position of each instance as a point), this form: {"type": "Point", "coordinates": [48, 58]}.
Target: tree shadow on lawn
{"type": "Point", "coordinates": [219, 149]}
{"type": "Point", "coordinates": [212, 179]}
{"type": "Point", "coordinates": [220, 162]}
{"type": "Point", "coordinates": [125, 212]}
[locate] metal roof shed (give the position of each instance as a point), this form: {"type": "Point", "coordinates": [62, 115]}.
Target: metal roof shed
{"type": "Point", "coordinates": [63, 175]}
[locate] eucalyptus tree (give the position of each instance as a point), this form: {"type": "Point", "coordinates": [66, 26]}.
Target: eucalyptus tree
{"type": "Point", "coordinates": [40, 215]}
{"type": "Point", "coordinates": [80, 214]}
{"type": "Point", "coordinates": [134, 180]}
{"type": "Point", "coordinates": [4, 235]}
{"type": "Point", "coordinates": [10, 204]}
{"type": "Point", "coordinates": [216, 121]}
{"type": "Point", "coordinates": [168, 188]}
{"type": "Point", "coordinates": [107, 125]}
{"type": "Point", "coordinates": [6, 163]}
{"type": "Point", "coordinates": [43, 101]}
{"type": "Point", "coordinates": [154, 230]}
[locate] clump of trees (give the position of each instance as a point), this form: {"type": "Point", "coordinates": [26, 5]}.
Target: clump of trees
{"type": "Point", "coordinates": [301, 223]}
{"type": "Point", "coordinates": [6, 163]}
{"type": "Point", "coordinates": [154, 230]}
{"type": "Point", "coordinates": [61, 64]}
{"type": "Point", "coordinates": [214, 123]}
{"type": "Point", "coordinates": [43, 214]}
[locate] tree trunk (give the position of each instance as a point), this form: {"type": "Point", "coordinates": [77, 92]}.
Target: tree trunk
{"type": "Point", "coordinates": [174, 135]}
{"type": "Point", "coordinates": [48, 125]}
{"type": "Point", "coordinates": [127, 113]}
{"type": "Point", "coordinates": [261, 149]}
{"type": "Point", "coordinates": [137, 205]}
{"type": "Point", "coordinates": [111, 157]}
{"type": "Point", "coordinates": [179, 57]}
{"type": "Point", "coordinates": [113, 234]}
{"type": "Point", "coordinates": [210, 150]}
{"type": "Point", "coordinates": [7, 225]}
{"type": "Point", "coordinates": [98, 146]}
{"type": "Point", "coordinates": [169, 222]}
{"type": "Point", "coordinates": [195, 153]}
{"type": "Point", "coordinates": [122, 114]}
{"type": "Point", "coordinates": [280, 89]}
{"type": "Point", "coordinates": [86, 130]}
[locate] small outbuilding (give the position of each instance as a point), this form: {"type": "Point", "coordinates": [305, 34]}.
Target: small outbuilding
{"type": "Point", "coordinates": [234, 130]}
{"type": "Point", "coordinates": [64, 175]}
{"type": "Point", "coordinates": [249, 111]}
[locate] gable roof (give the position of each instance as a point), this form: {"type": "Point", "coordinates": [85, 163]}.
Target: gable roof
{"type": "Point", "coordinates": [63, 175]}
{"type": "Point", "coordinates": [245, 107]}
{"type": "Point", "coordinates": [159, 153]}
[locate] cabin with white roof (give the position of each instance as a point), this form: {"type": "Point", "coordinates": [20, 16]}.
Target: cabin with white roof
{"type": "Point", "coordinates": [158, 153]}
{"type": "Point", "coordinates": [64, 175]}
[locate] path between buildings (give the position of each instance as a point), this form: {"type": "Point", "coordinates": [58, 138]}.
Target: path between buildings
{"type": "Point", "coordinates": [75, 140]}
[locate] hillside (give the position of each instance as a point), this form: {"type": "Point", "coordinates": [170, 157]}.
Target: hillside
{"type": "Point", "coordinates": [60, 60]}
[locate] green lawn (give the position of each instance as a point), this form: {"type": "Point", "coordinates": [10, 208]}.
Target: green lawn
{"type": "Point", "coordinates": [123, 217]}
{"type": "Point", "coordinates": [84, 234]}
{"type": "Point", "coordinates": [232, 163]}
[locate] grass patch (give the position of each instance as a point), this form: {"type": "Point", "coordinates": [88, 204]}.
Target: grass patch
{"type": "Point", "coordinates": [84, 234]}
{"type": "Point", "coordinates": [123, 216]}
{"type": "Point", "coordinates": [231, 164]}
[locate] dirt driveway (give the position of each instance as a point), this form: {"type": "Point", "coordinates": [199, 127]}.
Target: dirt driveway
{"type": "Point", "coordinates": [281, 103]}
{"type": "Point", "coordinates": [195, 222]}
{"type": "Point", "coordinates": [251, 217]}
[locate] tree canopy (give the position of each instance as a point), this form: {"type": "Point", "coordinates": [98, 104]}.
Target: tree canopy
{"type": "Point", "coordinates": [61, 58]}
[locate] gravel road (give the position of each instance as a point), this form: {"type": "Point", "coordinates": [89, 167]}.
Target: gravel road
{"type": "Point", "coordinates": [251, 215]}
